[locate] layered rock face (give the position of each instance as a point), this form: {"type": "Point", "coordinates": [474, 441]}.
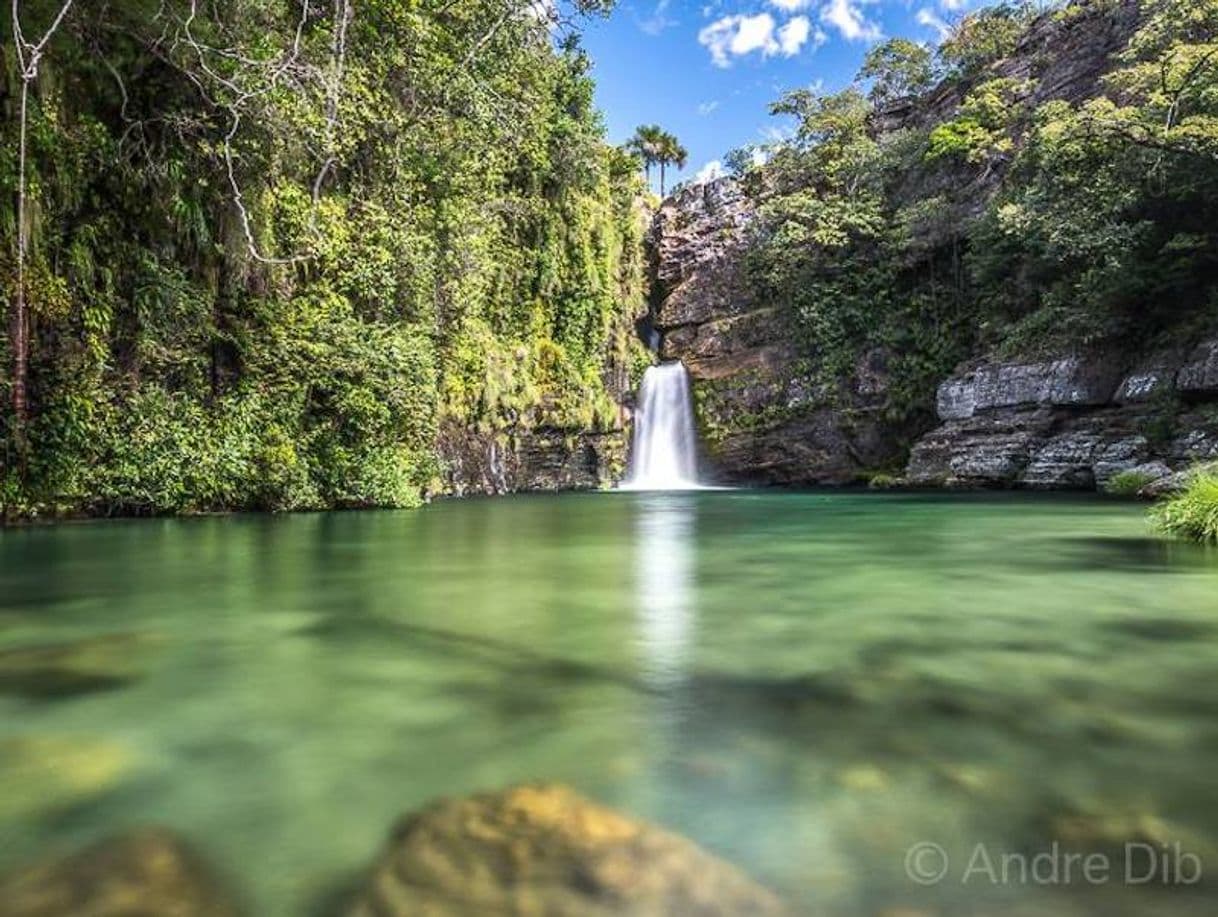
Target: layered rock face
{"type": "Point", "coordinates": [760, 419]}
{"type": "Point", "coordinates": [1073, 422]}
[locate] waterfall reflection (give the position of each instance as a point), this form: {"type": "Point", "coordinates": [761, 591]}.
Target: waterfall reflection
{"type": "Point", "coordinates": [664, 561]}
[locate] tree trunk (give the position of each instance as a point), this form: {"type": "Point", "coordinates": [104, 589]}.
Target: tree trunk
{"type": "Point", "coordinates": [661, 178]}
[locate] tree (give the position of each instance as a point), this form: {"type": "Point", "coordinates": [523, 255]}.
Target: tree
{"type": "Point", "coordinates": [29, 56]}
{"type": "Point", "coordinates": [983, 37]}
{"type": "Point", "coordinates": [646, 144]}
{"type": "Point", "coordinates": [898, 68]}
{"type": "Point", "coordinates": [655, 146]}
{"type": "Point", "coordinates": [1168, 86]}
{"type": "Point", "coordinates": [671, 152]}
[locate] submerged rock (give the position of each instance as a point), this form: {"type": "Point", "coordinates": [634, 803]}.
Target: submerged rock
{"type": "Point", "coordinates": [147, 872]}
{"type": "Point", "coordinates": [1122, 834]}
{"type": "Point", "coordinates": [64, 669]}
{"type": "Point", "coordinates": [543, 849]}
{"type": "Point", "coordinates": [41, 773]}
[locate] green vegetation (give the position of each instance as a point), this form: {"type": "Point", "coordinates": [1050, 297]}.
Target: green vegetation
{"type": "Point", "coordinates": [1022, 224]}
{"type": "Point", "coordinates": [1193, 513]}
{"type": "Point", "coordinates": [884, 481]}
{"type": "Point", "coordinates": [271, 252]}
{"type": "Point", "coordinates": [897, 69]}
{"type": "Point", "coordinates": [1127, 483]}
{"type": "Point", "coordinates": [653, 145]}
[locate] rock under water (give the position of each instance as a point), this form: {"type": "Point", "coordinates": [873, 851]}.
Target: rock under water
{"type": "Point", "coordinates": [544, 849]}
{"type": "Point", "coordinates": [148, 872]}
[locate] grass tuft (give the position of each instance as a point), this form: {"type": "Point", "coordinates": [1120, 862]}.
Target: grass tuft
{"type": "Point", "coordinates": [1127, 483]}
{"type": "Point", "coordinates": [1193, 513]}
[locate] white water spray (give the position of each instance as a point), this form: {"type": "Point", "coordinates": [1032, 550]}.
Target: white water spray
{"type": "Point", "coordinates": [665, 449]}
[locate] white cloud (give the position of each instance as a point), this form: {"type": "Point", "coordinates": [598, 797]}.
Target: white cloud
{"type": "Point", "coordinates": [709, 172]}
{"type": "Point", "coordinates": [847, 18]}
{"type": "Point", "coordinates": [734, 36]}
{"type": "Point", "coordinates": [792, 35]}
{"type": "Point", "coordinates": [789, 6]}
{"type": "Point", "coordinates": [545, 11]}
{"type": "Point", "coordinates": [774, 135]}
{"type": "Point", "coordinates": [953, 4]}
{"type": "Point", "coordinates": [705, 108]}
{"type": "Point", "coordinates": [658, 21]}
{"type": "Point", "coordinates": [932, 20]}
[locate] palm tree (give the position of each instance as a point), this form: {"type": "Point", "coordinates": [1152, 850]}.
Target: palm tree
{"type": "Point", "coordinates": [672, 152]}
{"type": "Point", "coordinates": [646, 144]}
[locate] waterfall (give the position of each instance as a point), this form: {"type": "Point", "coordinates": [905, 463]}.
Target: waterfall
{"type": "Point", "coordinates": [664, 455]}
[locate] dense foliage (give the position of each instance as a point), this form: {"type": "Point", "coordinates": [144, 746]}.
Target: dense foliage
{"type": "Point", "coordinates": [1193, 513]}
{"type": "Point", "coordinates": [276, 247]}
{"type": "Point", "coordinates": [1019, 222]}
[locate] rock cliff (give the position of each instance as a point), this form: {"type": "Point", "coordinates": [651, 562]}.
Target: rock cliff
{"type": "Point", "coordinates": [761, 419]}
{"type": "Point", "coordinates": [1071, 418]}
{"type": "Point", "coordinates": [1073, 422]}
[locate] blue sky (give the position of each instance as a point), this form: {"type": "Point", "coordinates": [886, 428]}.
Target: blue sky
{"type": "Point", "coordinates": [707, 70]}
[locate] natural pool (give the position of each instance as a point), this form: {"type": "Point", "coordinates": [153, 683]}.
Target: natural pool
{"type": "Point", "coordinates": [805, 684]}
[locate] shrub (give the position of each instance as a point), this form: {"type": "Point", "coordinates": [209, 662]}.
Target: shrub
{"type": "Point", "coordinates": [883, 481]}
{"type": "Point", "coordinates": [1193, 513]}
{"type": "Point", "coordinates": [1127, 483]}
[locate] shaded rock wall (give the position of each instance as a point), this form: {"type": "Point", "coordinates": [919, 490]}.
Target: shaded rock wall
{"type": "Point", "coordinates": [534, 460]}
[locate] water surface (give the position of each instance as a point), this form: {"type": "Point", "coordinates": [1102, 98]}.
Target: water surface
{"type": "Point", "coordinates": [806, 684]}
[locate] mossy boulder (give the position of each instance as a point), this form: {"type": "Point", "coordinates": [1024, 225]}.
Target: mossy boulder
{"type": "Point", "coordinates": [148, 872]}
{"type": "Point", "coordinates": [546, 850]}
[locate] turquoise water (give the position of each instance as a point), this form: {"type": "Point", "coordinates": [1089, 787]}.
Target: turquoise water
{"type": "Point", "coordinates": [806, 684]}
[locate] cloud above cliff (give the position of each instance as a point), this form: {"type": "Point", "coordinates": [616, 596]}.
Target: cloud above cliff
{"type": "Point", "coordinates": [740, 35]}
{"type": "Point", "coordinates": [848, 18]}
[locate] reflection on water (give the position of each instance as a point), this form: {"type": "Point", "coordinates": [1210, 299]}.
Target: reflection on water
{"type": "Point", "coordinates": [804, 683]}
{"type": "Point", "coordinates": [664, 570]}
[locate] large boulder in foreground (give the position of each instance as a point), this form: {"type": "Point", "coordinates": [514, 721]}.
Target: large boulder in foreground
{"type": "Point", "coordinates": [148, 872]}
{"type": "Point", "coordinates": [545, 850]}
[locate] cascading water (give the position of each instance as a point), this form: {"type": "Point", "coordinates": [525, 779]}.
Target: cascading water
{"type": "Point", "coordinates": [664, 455]}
